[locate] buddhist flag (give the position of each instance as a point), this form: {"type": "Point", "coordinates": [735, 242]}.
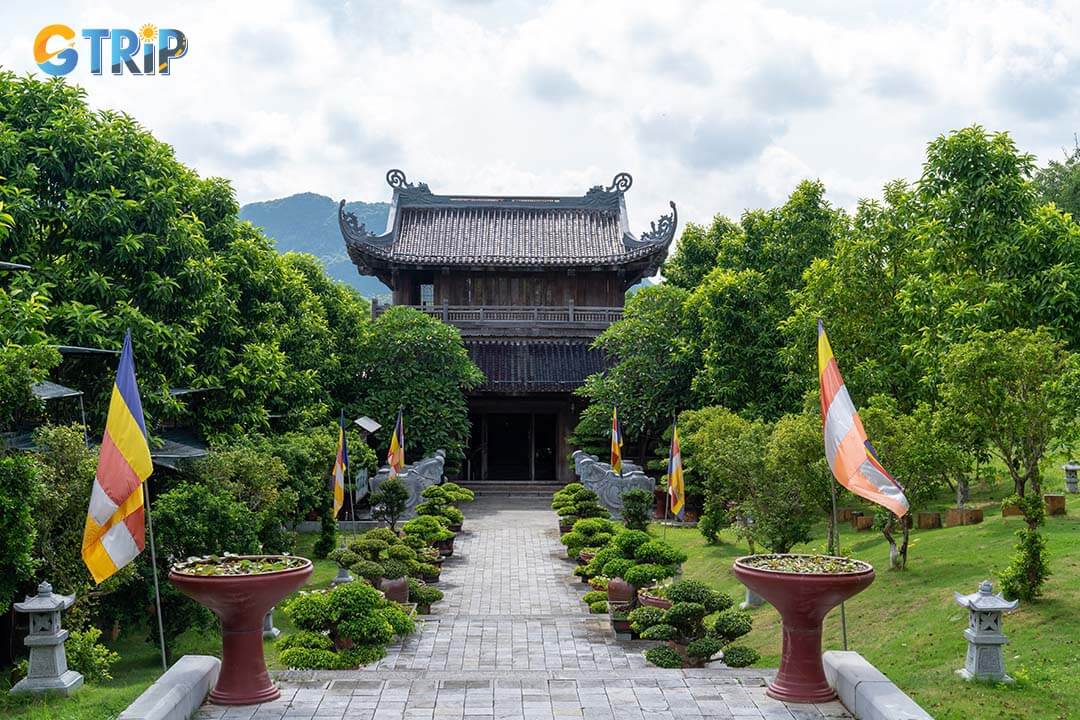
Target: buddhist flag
{"type": "Point", "coordinates": [114, 532]}
{"type": "Point", "coordinates": [676, 493]}
{"type": "Point", "coordinates": [341, 467]}
{"type": "Point", "coordinates": [850, 454]}
{"type": "Point", "coordinates": [395, 458]}
{"type": "Point", "coordinates": [616, 442]}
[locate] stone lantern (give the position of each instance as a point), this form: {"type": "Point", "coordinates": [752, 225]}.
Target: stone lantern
{"type": "Point", "coordinates": [985, 654]}
{"type": "Point", "coordinates": [48, 670]}
{"type": "Point", "coordinates": [1070, 469]}
{"type": "Point", "coordinates": [269, 631]}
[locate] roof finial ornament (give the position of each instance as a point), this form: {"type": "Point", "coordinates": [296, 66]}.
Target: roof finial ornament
{"type": "Point", "coordinates": [661, 231]}
{"type": "Point", "coordinates": [396, 179]}
{"type": "Point", "coordinates": [621, 183]}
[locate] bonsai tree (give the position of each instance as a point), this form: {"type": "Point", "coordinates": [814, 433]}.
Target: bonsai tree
{"type": "Point", "coordinates": [423, 595]}
{"type": "Point", "coordinates": [589, 533]}
{"type": "Point", "coordinates": [575, 501]}
{"type": "Point", "coordinates": [427, 528]}
{"type": "Point", "coordinates": [637, 509]}
{"type": "Point", "coordinates": [457, 493]}
{"type": "Point", "coordinates": [438, 501]}
{"type": "Point", "coordinates": [389, 502]}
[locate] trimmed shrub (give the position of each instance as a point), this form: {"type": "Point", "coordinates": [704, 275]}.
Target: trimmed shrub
{"type": "Point", "coordinates": [89, 657]}
{"type": "Point", "coordinates": [428, 528]}
{"type": "Point", "coordinates": [387, 535]}
{"type": "Point", "coordinates": [738, 656]}
{"type": "Point", "coordinates": [618, 568]}
{"type": "Point", "coordinates": [704, 648]}
{"type": "Point", "coordinates": [645, 617]}
{"type": "Point", "coordinates": [302, 658]}
{"type": "Point", "coordinates": [598, 607]}
{"type": "Point", "coordinates": [687, 617]}
{"type": "Point", "coordinates": [344, 557]}
{"type": "Point", "coordinates": [732, 624]}
{"type": "Point", "coordinates": [664, 657]}
{"type": "Point", "coordinates": [637, 508]}
{"type": "Point", "coordinates": [699, 592]}
{"type": "Point", "coordinates": [647, 574]}
{"type": "Point", "coordinates": [305, 639]}
{"type": "Point", "coordinates": [594, 596]}
{"type": "Point", "coordinates": [309, 611]}
{"type": "Point", "coordinates": [368, 570]}
{"type": "Point", "coordinates": [658, 552]}
{"type": "Point", "coordinates": [394, 569]}
{"type": "Point", "coordinates": [662, 631]}
{"type": "Point", "coordinates": [627, 543]}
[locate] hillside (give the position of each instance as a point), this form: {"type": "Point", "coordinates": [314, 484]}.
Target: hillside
{"type": "Point", "coordinates": [308, 222]}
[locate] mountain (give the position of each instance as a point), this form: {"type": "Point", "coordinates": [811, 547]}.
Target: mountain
{"type": "Point", "coordinates": [308, 223]}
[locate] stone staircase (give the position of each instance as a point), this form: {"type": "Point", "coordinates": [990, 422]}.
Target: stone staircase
{"type": "Point", "coordinates": [518, 489]}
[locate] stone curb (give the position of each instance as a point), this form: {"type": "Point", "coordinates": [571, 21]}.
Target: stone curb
{"type": "Point", "coordinates": [178, 693]}
{"type": "Point", "coordinates": [866, 692]}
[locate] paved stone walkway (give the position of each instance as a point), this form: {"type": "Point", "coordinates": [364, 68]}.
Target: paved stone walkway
{"type": "Point", "coordinates": [513, 641]}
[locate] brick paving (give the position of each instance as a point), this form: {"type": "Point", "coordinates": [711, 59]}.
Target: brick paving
{"type": "Point", "coordinates": [513, 641]}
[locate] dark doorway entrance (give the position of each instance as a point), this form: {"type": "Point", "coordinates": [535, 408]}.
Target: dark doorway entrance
{"type": "Point", "coordinates": [513, 447]}
{"type": "Point", "coordinates": [508, 446]}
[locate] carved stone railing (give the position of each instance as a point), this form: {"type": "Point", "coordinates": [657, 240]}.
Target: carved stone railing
{"type": "Point", "coordinates": [415, 477]}
{"type": "Point", "coordinates": [608, 484]}
{"type": "Point", "coordinates": [516, 315]}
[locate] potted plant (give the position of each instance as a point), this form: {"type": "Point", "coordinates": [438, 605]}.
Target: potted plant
{"type": "Point", "coordinates": [803, 588]}
{"type": "Point", "coordinates": [240, 590]}
{"type": "Point", "coordinates": [588, 534]}
{"type": "Point", "coordinates": [620, 621]}
{"type": "Point", "coordinates": [423, 595]}
{"type": "Point", "coordinates": [432, 531]}
{"type": "Point", "coordinates": [653, 597]}
{"type": "Point", "coordinates": [575, 502]}
{"type": "Point", "coordinates": [393, 581]}
{"type": "Point", "coordinates": [440, 503]}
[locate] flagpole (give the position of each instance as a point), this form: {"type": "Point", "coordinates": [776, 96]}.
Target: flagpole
{"type": "Point", "coordinates": [153, 564]}
{"type": "Point", "coordinates": [836, 549]}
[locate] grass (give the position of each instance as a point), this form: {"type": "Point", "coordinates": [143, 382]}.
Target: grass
{"type": "Point", "coordinates": [140, 664]}
{"type": "Point", "coordinates": [908, 624]}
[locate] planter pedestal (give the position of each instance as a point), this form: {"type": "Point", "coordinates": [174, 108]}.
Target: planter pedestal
{"type": "Point", "coordinates": [803, 601]}
{"type": "Point", "coordinates": [241, 603]}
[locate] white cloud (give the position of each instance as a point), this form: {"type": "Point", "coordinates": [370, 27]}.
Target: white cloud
{"type": "Point", "coordinates": [717, 106]}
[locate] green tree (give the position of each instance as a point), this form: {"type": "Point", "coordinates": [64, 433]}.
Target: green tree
{"type": "Point", "coordinates": [19, 487]}
{"type": "Point", "coordinates": [649, 378]}
{"type": "Point", "coordinates": [414, 361]}
{"type": "Point", "coordinates": [699, 250]}
{"type": "Point", "coordinates": [1059, 182]}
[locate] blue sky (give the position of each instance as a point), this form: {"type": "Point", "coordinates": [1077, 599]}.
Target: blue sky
{"type": "Point", "coordinates": [718, 106]}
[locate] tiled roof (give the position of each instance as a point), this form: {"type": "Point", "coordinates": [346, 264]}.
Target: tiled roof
{"type": "Point", "coordinates": [534, 365]}
{"type": "Point", "coordinates": [510, 236]}
{"type": "Point", "coordinates": [428, 229]}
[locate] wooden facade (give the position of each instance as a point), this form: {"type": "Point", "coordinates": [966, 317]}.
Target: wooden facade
{"type": "Point", "coordinates": [529, 282]}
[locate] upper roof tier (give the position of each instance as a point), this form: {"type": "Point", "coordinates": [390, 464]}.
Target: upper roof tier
{"type": "Point", "coordinates": [487, 231]}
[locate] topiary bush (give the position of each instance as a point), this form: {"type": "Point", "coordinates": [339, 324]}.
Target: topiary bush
{"type": "Point", "coordinates": [688, 618]}
{"type": "Point", "coordinates": [575, 501]}
{"type": "Point", "coordinates": [658, 552]}
{"type": "Point", "coordinates": [644, 617]}
{"type": "Point", "coordinates": [732, 624]}
{"type": "Point", "coordinates": [637, 508]}
{"type": "Point", "coordinates": [427, 528]}
{"type": "Point", "coordinates": [457, 493]}
{"type": "Point", "coordinates": [618, 568]}
{"type": "Point", "coordinates": [598, 607]}
{"type": "Point", "coordinates": [588, 533]}
{"type": "Point", "coordinates": [647, 574]}
{"type": "Point", "coordinates": [704, 648]}
{"type": "Point", "coordinates": [368, 570]}
{"type": "Point", "coordinates": [594, 596]}
{"type": "Point", "coordinates": [305, 639]}
{"type": "Point", "coordinates": [423, 594]}
{"type": "Point", "coordinates": [390, 501]}
{"type": "Point", "coordinates": [660, 631]}
{"type": "Point", "coordinates": [696, 591]}
{"type": "Point", "coordinates": [664, 657]}
{"type": "Point", "coordinates": [738, 656]}
{"type": "Point", "coordinates": [627, 543]}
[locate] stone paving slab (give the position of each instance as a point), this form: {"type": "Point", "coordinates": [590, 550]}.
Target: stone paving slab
{"type": "Point", "coordinates": [513, 641]}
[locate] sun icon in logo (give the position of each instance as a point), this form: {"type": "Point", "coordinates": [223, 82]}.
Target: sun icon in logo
{"type": "Point", "coordinates": [148, 32]}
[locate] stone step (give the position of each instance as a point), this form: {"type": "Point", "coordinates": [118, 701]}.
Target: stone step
{"type": "Point", "coordinates": [530, 489]}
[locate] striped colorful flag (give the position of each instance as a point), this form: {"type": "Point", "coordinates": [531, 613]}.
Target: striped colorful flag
{"type": "Point", "coordinates": [395, 458]}
{"type": "Point", "coordinates": [341, 467]}
{"type": "Point", "coordinates": [616, 442]}
{"type": "Point", "coordinates": [676, 491]}
{"type": "Point", "coordinates": [850, 454]}
{"type": "Point", "coordinates": [115, 528]}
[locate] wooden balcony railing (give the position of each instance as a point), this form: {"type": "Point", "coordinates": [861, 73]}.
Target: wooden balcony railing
{"type": "Point", "coordinates": [516, 315]}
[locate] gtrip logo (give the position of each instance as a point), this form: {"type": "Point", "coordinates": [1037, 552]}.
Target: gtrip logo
{"type": "Point", "coordinates": [146, 52]}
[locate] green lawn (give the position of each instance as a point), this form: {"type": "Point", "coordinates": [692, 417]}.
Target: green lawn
{"type": "Point", "coordinates": [140, 665]}
{"type": "Point", "coordinates": [908, 624]}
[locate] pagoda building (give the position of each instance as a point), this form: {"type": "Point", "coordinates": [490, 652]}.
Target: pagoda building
{"type": "Point", "coordinates": [530, 282]}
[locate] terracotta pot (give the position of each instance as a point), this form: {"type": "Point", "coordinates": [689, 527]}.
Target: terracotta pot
{"type": "Point", "coordinates": [240, 603]}
{"type": "Point", "coordinates": [803, 601]}
{"type": "Point", "coordinates": [1055, 504]}
{"type": "Point", "coordinates": [621, 625]}
{"type": "Point", "coordinates": [655, 601]}
{"type": "Point", "coordinates": [963, 516]}
{"type": "Point", "coordinates": [929, 520]}
{"type": "Point", "coordinates": [396, 589]}
{"type": "Point", "coordinates": [1011, 511]}
{"type": "Point", "coordinates": [445, 547]}
{"type": "Point", "coordinates": [620, 591]}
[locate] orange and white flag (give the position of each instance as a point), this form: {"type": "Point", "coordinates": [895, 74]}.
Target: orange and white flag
{"type": "Point", "coordinates": [851, 457]}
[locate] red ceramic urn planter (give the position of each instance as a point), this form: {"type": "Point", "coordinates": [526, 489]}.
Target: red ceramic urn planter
{"type": "Point", "coordinates": [240, 603]}
{"type": "Point", "coordinates": [803, 600]}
